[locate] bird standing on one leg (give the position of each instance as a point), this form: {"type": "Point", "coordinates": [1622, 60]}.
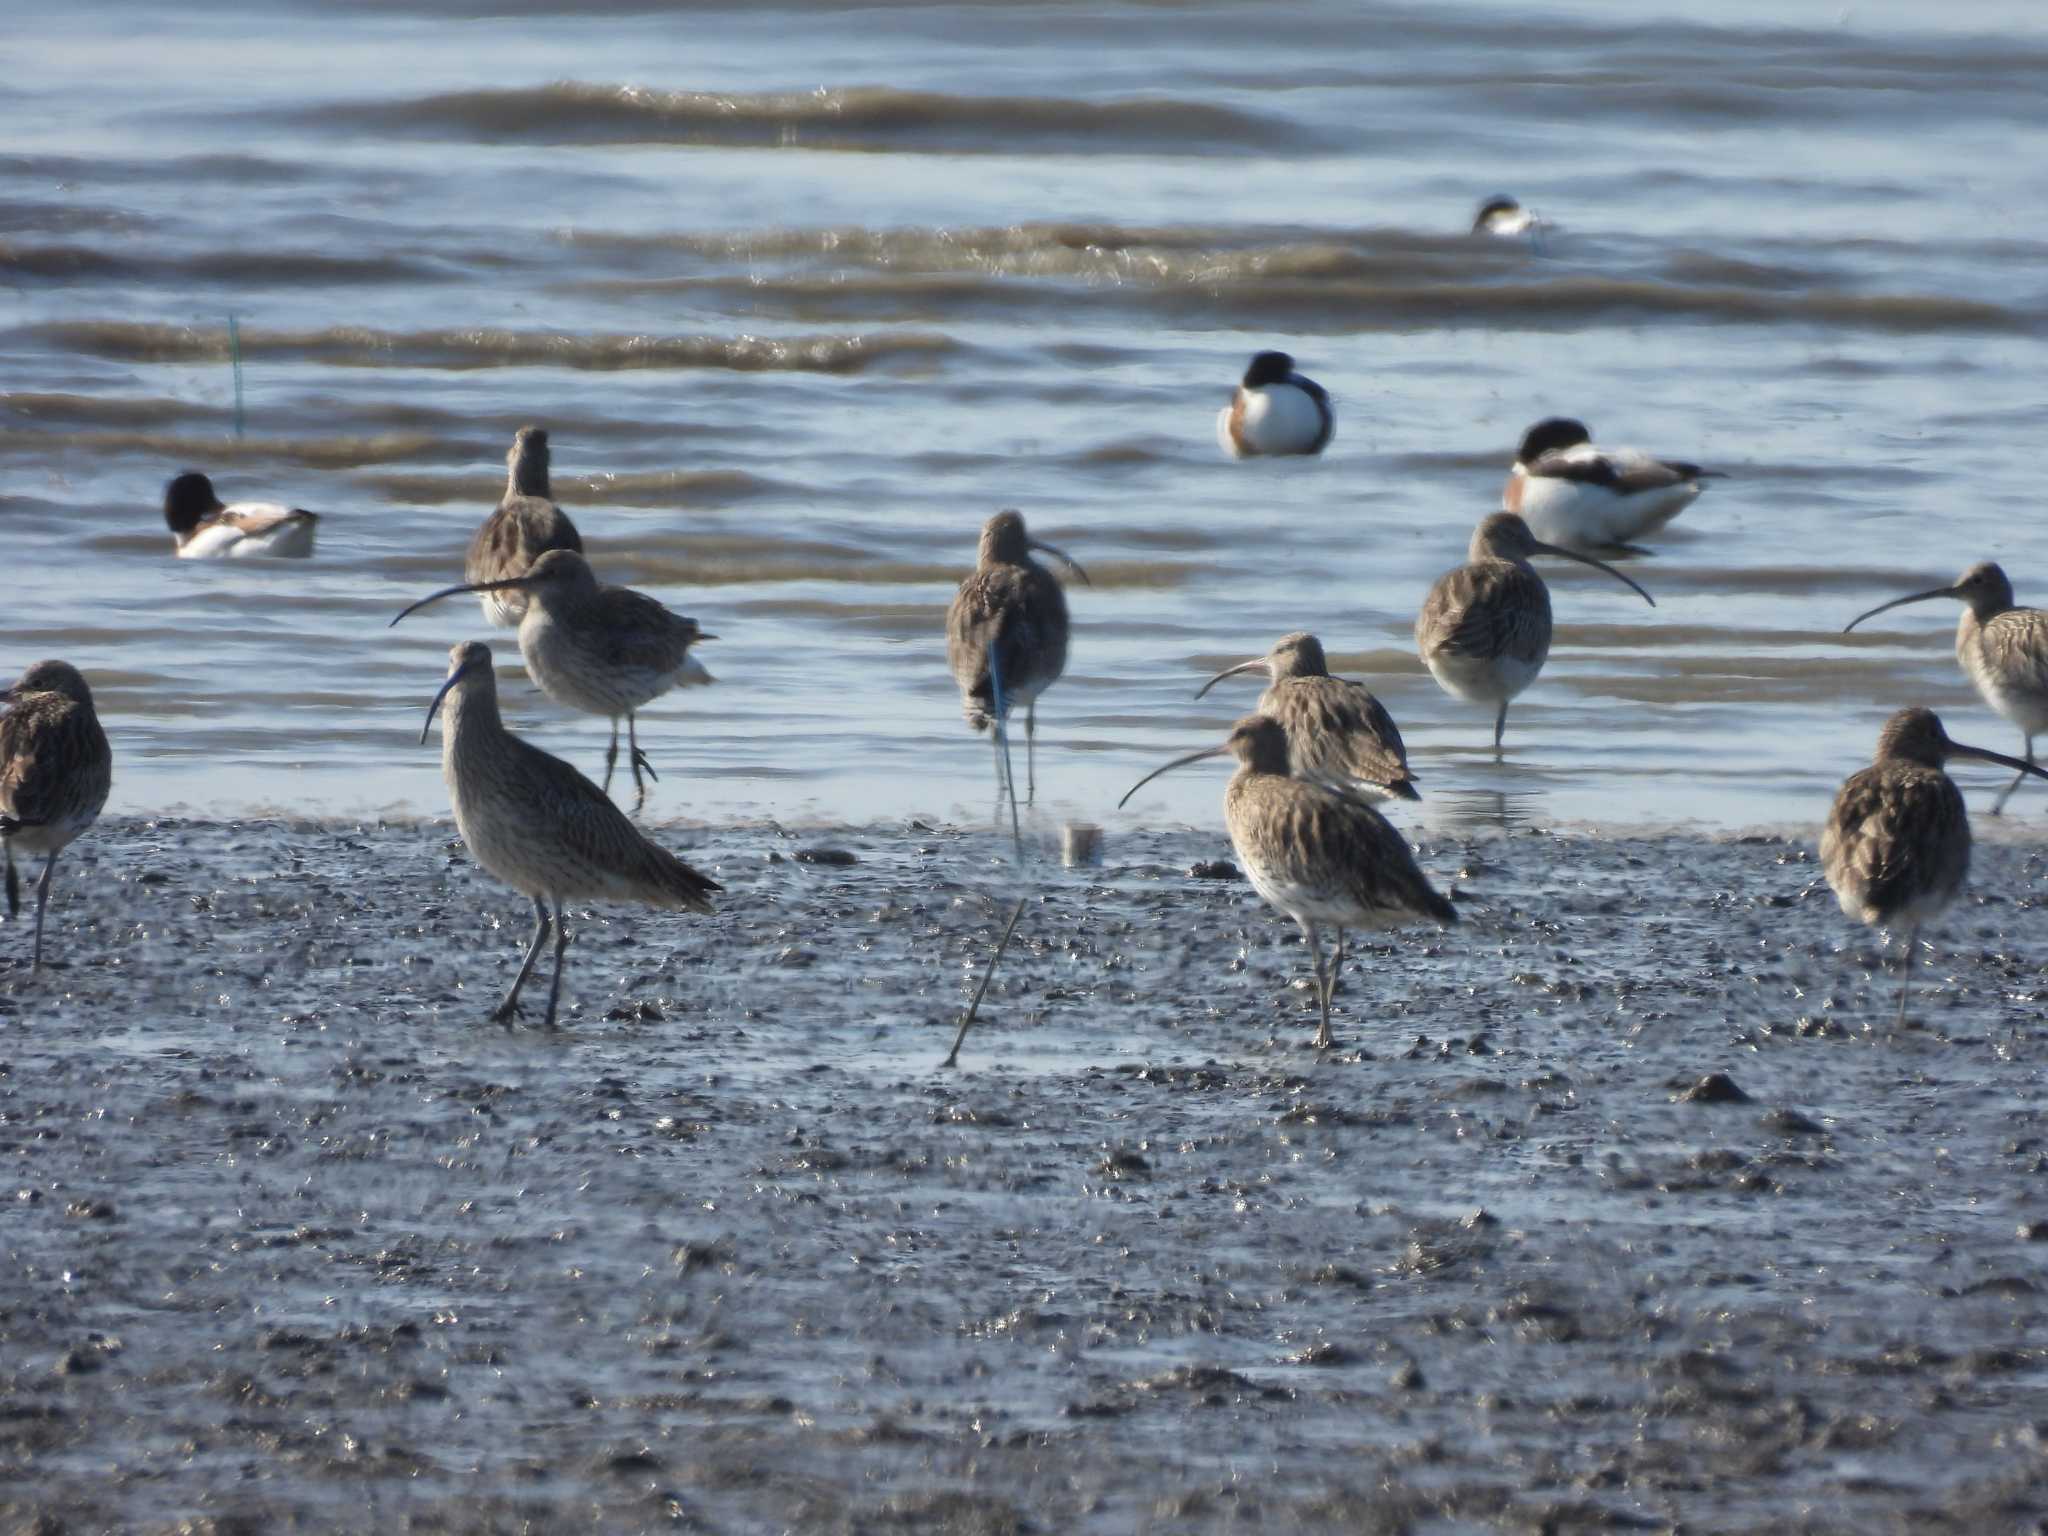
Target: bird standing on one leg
{"type": "Point", "coordinates": [1484, 629]}
{"type": "Point", "coordinates": [1316, 853]}
{"type": "Point", "coordinates": [540, 826]}
{"type": "Point", "coordinates": [1006, 641]}
{"type": "Point", "coordinates": [525, 526]}
{"type": "Point", "coordinates": [602, 649]}
{"type": "Point", "coordinates": [1337, 732]}
{"type": "Point", "coordinates": [1897, 844]}
{"type": "Point", "coordinates": [2002, 649]}
{"type": "Point", "coordinates": [55, 771]}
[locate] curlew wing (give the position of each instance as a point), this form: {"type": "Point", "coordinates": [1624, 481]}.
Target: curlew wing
{"type": "Point", "coordinates": [1314, 839]}
{"type": "Point", "coordinates": [54, 761]}
{"type": "Point", "coordinates": [641, 633]}
{"type": "Point", "coordinates": [1337, 730]}
{"type": "Point", "coordinates": [1016, 616]}
{"type": "Point", "coordinates": [519, 532]}
{"type": "Point", "coordinates": [1486, 610]}
{"type": "Point", "coordinates": [1897, 834]}
{"type": "Point", "coordinates": [2015, 643]}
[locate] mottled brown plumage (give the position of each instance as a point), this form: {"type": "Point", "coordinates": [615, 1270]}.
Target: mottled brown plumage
{"type": "Point", "coordinates": [1316, 853]}
{"type": "Point", "coordinates": [525, 526]}
{"type": "Point", "coordinates": [2002, 649]}
{"type": "Point", "coordinates": [540, 826]}
{"type": "Point", "coordinates": [1006, 637]}
{"type": "Point", "coordinates": [1896, 848]}
{"type": "Point", "coordinates": [1337, 732]}
{"type": "Point", "coordinates": [55, 771]}
{"type": "Point", "coordinates": [1484, 630]}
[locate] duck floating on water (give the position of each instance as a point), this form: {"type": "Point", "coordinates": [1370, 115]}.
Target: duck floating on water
{"type": "Point", "coordinates": [205, 529]}
{"type": "Point", "coordinates": [1572, 493]}
{"type": "Point", "coordinates": [1275, 411]}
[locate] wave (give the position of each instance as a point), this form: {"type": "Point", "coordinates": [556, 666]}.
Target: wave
{"type": "Point", "coordinates": [644, 488]}
{"type": "Point", "coordinates": [327, 452]}
{"type": "Point", "coordinates": [241, 266]}
{"type": "Point", "coordinates": [362, 347]}
{"type": "Point", "coordinates": [862, 118]}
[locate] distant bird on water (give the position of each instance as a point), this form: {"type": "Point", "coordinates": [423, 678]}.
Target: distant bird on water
{"type": "Point", "coordinates": [1484, 629]}
{"type": "Point", "coordinates": [602, 649]}
{"type": "Point", "coordinates": [540, 826]}
{"type": "Point", "coordinates": [55, 771]}
{"type": "Point", "coordinates": [1006, 642]}
{"type": "Point", "coordinates": [1317, 854]}
{"type": "Point", "coordinates": [205, 529]}
{"type": "Point", "coordinates": [526, 525]}
{"type": "Point", "coordinates": [1897, 844]}
{"type": "Point", "coordinates": [1501, 215]}
{"type": "Point", "coordinates": [2002, 649]}
{"type": "Point", "coordinates": [1337, 732]}
{"type": "Point", "coordinates": [1275, 411]}
{"type": "Point", "coordinates": [1570, 492]}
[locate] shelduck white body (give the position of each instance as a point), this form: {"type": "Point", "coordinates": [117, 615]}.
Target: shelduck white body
{"type": "Point", "coordinates": [205, 529]}
{"type": "Point", "coordinates": [1275, 411]}
{"type": "Point", "coordinates": [1572, 493]}
{"type": "Point", "coordinates": [1505, 218]}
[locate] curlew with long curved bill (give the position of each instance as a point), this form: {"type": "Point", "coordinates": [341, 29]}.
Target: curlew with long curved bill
{"type": "Point", "coordinates": [540, 826]}
{"type": "Point", "coordinates": [525, 526]}
{"type": "Point", "coordinates": [2002, 649]}
{"type": "Point", "coordinates": [602, 649]}
{"type": "Point", "coordinates": [1006, 642]}
{"type": "Point", "coordinates": [1897, 844]}
{"type": "Point", "coordinates": [55, 771]}
{"type": "Point", "coordinates": [1484, 629]}
{"type": "Point", "coordinates": [1337, 732]}
{"type": "Point", "coordinates": [1317, 854]}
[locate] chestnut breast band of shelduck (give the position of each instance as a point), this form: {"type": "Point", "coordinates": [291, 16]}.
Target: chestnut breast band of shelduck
{"type": "Point", "coordinates": [1570, 492]}
{"type": "Point", "coordinates": [1505, 217]}
{"type": "Point", "coordinates": [1275, 411]}
{"type": "Point", "coordinates": [207, 530]}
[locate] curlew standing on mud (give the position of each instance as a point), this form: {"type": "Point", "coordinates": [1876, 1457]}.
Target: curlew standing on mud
{"type": "Point", "coordinates": [1484, 629]}
{"type": "Point", "coordinates": [55, 771]}
{"type": "Point", "coordinates": [1006, 642]}
{"type": "Point", "coordinates": [2002, 649]}
{"type": "Point", "coordinates": [1897, 844]}
{"type": "Point", "coordinates": [1316, 853]}
{"type": "Point", "coordinates": [1337, 732]}
{"type": "Point", "coordinates": [525, 526]}
{"type": "Point", "coordinates": [540, 826]}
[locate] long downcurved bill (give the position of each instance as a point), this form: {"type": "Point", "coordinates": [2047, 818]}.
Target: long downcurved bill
{"type": "Point", "coordinates": [1178, 762]}
{"type": "Point", "coordinates": [1984, 755]}
{"type": "Point", "coordinates": [1598, 565]}
{"type": "Point", "coordinates": [1063, 557]}
{"type": "Point", "coordinates": [1256, 664]}
{"type": "Point", "coordinates": [455, 675]}
{"type": "Point", "coordinates": [1900, 602]}
{"type": "Point", "coordinates": [467, 586]}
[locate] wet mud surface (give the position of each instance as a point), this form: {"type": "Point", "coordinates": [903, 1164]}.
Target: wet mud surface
{"type": "Point", "coordinates": [294, 1240]}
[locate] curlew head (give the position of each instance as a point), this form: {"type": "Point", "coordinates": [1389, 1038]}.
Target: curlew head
{"type": "Point", "coordinates": [556, 575]}
{"type": "Point", "coordinates": [469, 668]}
{"type": "Point", "coordinates": [1915, 736]}
{"type": "Point", "coordinates": [188, 501]}
{"type": "Point", "coordinates": [1258, 742]}
{"type": "Point", "coordinates": [1268, 368]}
{"type": "Point", "coordinates": [1504, 536]}
{"type": "Point", "coordinates": [51, 677]}
{"type": "Point", "coordinates": [1984, 587]}
{"type": "Point", "coordinates": [1297, 655]}
{"type": "Point", "coordinates": [1551, 432]}
{"type": "Point", "coordinates": [526, 463]}
{"type": "Point", "coordinates": [1004, 542]}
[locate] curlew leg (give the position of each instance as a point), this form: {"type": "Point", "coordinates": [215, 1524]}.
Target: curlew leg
{"type": "Point", "coordinates": [1500, 724]}
{"type": "Point", "coordinates": [1999, 804]}
{"type": "Point", "coordinates": [639, 761]}
{"type": "Point", "coordinates": [42, 901]}
{"type": "Point", "coordinates": [611, 757]}
{"type": "Point", "coordinates": [1006, 782]}
{"type": "Point", "coordinates": [508, 1010]}
{"type": "Point", "coordinates": [1031, 753]}
{"type": "Point", "coordinates": [13, 883]}
{"type": "Point", "coordinates": [1315, 954]}
{"type": "Point", "coordinates": [1906, 981]}
{"type": "Point", "coordinates": [1336, 973]}
{"type": "Point", "coordinates": [561, 947]}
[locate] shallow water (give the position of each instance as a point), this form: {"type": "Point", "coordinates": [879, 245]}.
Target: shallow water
{"type": "Point", "coordinates": [297, 1241]}
{"type": "Point", "coordinates": [804, 293]}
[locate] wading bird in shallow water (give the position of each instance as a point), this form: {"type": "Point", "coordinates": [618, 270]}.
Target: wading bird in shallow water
{"type": "Point", "coordinates": [1006, 641]}
{"type": "Point", "coordinates": [1337, 732]}
{"type": "Point", "coordinates": [1275, 411]}
{"type": "Point", "coordinates": [1897, 843]}
{"type": "Point", "coordinates": [526, 525]}
{"type": "Point", "coordinates": [1484, 629]}
{"type": "Point", "coordinates": [1570, 492]}
{"type": "Point", "coordinates": [55, 771]}
{"type": "Point", "coordinates": [602, 649]}
{"type": "Point", "coordinates": [2002, 649]}
{"type": "Point", "coordinates": [204, 529]}
{"type": "Point", "coordinates": [540, 826]}
{"type": "Point", "coordinates": [1317, 854]}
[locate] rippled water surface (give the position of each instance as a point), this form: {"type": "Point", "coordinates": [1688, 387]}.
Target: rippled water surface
{"type": "Point", "coordinates": [803, 294]}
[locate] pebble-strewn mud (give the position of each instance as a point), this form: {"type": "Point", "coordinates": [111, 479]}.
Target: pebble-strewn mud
{"type": "Point", "coordinates": [294, 1240]}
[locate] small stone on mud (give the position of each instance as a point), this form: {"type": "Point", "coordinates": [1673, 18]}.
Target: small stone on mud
{"type": "Point", "coordinates": [94, 1209]}
{"type": "Point", "coordinates": [1214, 869]}
{"type": "Point", "coordinates": [1408, 1378]}
{"type": "Point", "coordinates": [794, 958]}
{"type": "Point", "coordinates": [838, 858]}
{"type": "Point", "coordinates": [1790, 1122]}
{"type": "Point", "coordinates": [1714, 1088]}
{"type": "Point", "coordinates": [2033, 1232]}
